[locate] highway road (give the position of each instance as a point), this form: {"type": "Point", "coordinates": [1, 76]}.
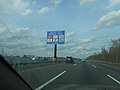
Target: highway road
{"type": "Point", "coordinates": [89, 73]}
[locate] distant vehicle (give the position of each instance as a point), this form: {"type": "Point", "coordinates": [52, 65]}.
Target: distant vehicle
{"type": "Point", "coordinates": [69, 60]}
{"type": "Point", "coordinates": [83, 60]}
{"type": "Point", "coordinates": [33, 58]}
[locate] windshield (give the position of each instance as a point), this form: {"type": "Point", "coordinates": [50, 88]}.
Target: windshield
{"type": "Point", "coordinates": [62, 43]}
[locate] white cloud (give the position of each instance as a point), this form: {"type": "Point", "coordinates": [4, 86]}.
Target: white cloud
{"type": "Point", "coordinates": [27, 41]}
{"type": "Point", "coordinates": [25, 7]}
{"type": "Point", "coordinates": [4, 31]}
{"type": "Point", "coordinates": [69, 37]}
{"type": "Point", "coordinates": [113, 3]}
{"type": "Point", "coordinates": [3, 28]}
{"type": "Point", "coordinates": [70, 34]}
{"type": "Point", "coordinates": [85, 2]}
{"type": "Point", "coordinates": [46, 9]}
{"type": "Point", "coordinates": [80, 50]}
{"type": "Point", "coordinates": [19, 38]}
{"type": "Point", "coordinates": [87, 40]}
{"type": "Point", "coordinates": [43, 10]}
{"type": "Point", "coordinates": [27, 12]}
{"type": "Point", "coordinates": [110, 20]}
{"type": "Point", "coordinates": [78, 47]}
{"type": "Point", "coordinates": [22, 6]}
{"type": "Point", "coordinates": [56, 2]}
{"type": "Point", "coordinates": [19, 6]}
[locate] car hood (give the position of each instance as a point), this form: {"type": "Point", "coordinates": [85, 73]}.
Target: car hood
{"type": "Point", "coordinates": [83, 87]}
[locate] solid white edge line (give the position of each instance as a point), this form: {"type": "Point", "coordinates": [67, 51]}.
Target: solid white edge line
{"type": "Point", "coordinates": [51, 80]}
{"type": "Point", "coordinates": [74, 64]}
{"type": "Point", "coordinates": [113, 79]}
{"type": "Point", "coordinates": [94, 66]}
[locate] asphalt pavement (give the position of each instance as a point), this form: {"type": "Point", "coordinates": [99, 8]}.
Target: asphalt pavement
{"type": "Point", "coordinates": [81, 73]}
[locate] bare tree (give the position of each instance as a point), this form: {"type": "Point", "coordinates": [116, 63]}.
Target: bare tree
{"type": "Point", "coordinates": [3, 52]}
{"type": "Point", "coordinates": [116, 46]}
{"type": "Point", "coordinates": [111, 55]}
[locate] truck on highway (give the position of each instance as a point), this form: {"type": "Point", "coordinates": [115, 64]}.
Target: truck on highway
{"type": "Point", "coordinates": [69, 60]}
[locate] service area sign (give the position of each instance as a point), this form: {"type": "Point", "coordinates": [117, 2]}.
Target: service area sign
{"type": "Point", "coordinates": [55, 37]}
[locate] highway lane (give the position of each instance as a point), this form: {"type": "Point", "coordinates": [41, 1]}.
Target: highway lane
{"type": "Point", "coordinates": [38, 76]}
{"type": "Point", "coordinates": [82, 73]}
{"type": "Point", "coordinates": [110, 69]}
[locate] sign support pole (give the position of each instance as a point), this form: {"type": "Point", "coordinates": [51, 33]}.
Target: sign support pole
{"type": "Point", "coordinates": [55, 37]}
{"type": "Point", "coordinates": [55, 53]}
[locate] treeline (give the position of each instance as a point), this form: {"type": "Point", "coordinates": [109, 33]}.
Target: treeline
{"type": "Point", "coordinates": [112, 54]}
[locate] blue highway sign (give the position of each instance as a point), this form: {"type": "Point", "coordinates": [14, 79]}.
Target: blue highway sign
{"type": "Point", "coordinates": [55, 37]}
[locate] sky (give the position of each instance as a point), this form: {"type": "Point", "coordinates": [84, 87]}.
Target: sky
{"type": "Point", "coordinates": [88, 25]}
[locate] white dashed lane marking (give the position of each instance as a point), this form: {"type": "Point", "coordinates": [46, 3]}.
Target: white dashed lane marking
{"type": "Point", "coordinates": [113, 79]}
{"type": "Point", "coordinates": [94, 66]}
{"type": "Point", "coordinates": [51, 80]}
{"type": "Point", "coordinates": [74, 64]}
